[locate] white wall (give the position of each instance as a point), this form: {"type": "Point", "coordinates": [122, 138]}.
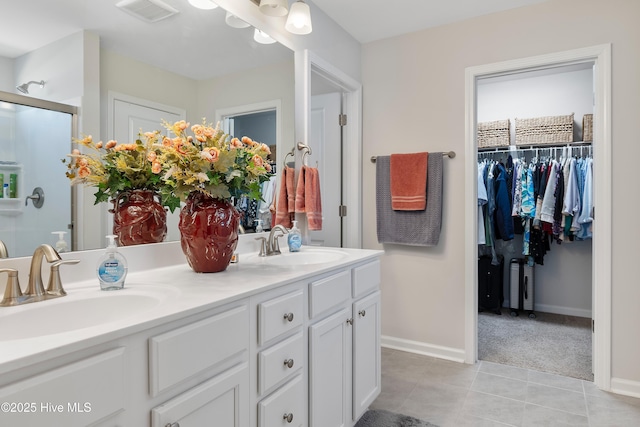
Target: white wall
{"type": "Point", "coordinates": [6, 75]}
{"type": "Point", "coordinates": [417, 80]}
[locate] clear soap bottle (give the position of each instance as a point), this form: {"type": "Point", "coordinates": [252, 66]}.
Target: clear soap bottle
{"type": "Point", "coordinates": [112, 267]}
{"type": "Point", "coordinates": [294, 238]}
{"type": "Point", "coordinates": [61, 244]}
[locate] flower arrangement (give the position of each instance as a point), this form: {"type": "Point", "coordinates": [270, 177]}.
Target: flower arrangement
{"type": "Point", "coordinates": [114, 168]}
{"type": "Point", "coordinates": [209, 162]}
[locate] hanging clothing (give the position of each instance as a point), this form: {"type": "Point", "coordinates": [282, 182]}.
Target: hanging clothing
{"type": "Point", "coordinates": [482, 201]}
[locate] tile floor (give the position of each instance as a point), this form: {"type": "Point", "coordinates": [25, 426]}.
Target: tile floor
{"type": "Point", "coordinates": [489, 394]}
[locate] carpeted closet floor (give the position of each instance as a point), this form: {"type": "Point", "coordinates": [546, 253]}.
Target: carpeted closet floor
{"type": "Point", "coordinates": [551, 343]}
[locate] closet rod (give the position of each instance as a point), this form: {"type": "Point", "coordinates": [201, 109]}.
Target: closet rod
{"type": "Point", "coordinates": [449, 154]}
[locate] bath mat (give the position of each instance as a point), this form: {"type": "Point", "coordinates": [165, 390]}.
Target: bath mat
{"type": "Point", "coordinates": [382, 418]}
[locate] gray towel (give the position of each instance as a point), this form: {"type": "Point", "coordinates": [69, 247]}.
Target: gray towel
{"type": "Point", "coordinates": [414, 228]}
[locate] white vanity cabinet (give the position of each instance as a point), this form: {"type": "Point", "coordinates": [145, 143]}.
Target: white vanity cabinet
{"type": "Point", "coordinates": [197, 350]}
{"type": "Point", "coordinates": [79, 393]}
{"type": "Point", "coordinates": [344, 345]}
{"type": "Point", "coordinates": [280, 357]}
{"type": "Point", "coordinates": [299, 351]}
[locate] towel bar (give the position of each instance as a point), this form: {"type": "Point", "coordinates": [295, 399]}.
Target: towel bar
{"type": "Point", "coordinates": [449, 154]}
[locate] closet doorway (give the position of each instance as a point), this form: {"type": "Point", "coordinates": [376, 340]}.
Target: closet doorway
{"type": "Point", "coordinates": [600, 271]}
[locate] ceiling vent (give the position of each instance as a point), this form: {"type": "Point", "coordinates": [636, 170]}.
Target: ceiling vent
{"type": "Point", "coordinates": [147, 10]}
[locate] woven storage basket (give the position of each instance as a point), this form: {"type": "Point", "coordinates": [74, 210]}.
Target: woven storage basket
{"type": "Point", "coordinates": [494, 134]}
{"type": "Point", "coordinates": [544, 130]}
{"type": "Point", "coordinates": [587, 127]}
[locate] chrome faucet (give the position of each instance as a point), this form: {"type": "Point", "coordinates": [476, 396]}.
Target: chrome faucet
{"type": "Point", "coordinates": [35, 289]}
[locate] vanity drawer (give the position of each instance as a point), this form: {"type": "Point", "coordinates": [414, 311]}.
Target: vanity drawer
{"type": "Point", "coordinates": [75, 395]}
{"type": "Point", "coordinates": [287, 401]}
{"type": "Point", "coordinates": [366, 279]}
{"type": "Point", "coordinates": [180, 354]}
{"type": "Point", "coordinates": [279, 315]}
{"type": "Point", "coordinates": [279, 361]}
{"type": "Point", "coordinates": [329, 292]}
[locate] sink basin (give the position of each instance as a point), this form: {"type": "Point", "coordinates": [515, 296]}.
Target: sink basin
{"type": "Point", "coordinates": [65, 314]}
{"type": "Point", "coordinates": [306, 256]}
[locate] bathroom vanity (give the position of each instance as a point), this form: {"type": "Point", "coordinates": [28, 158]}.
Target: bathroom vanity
{"type": "Point", "coordinates": [288, 340]}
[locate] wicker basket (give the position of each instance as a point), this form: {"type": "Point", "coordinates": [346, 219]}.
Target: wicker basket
{"type": "Point", "coordinates": [544, 130]}
{"type": "Point", "coordinates": [494, 134]}
{"type": "Point", "coordinates": [587, 128]}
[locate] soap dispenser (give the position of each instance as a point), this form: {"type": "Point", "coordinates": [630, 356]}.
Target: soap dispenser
{"type": "Point", "coordinates": [112, 267]}
{"type": "Point", "coordinates": [294, 238]}
{"type": "Point", "coordinates": [61, 244]}
{"type": "Point", "coordinates": [259, 228]}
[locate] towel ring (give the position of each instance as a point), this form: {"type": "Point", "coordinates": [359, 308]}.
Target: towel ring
{"type": "Point", "coordinates": [303, 146]}
{"type": "Point", "coordinates": [284, 162]}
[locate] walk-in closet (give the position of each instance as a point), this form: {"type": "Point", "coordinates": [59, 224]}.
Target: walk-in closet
{"type": "Point", "coordinates": [535, 214]}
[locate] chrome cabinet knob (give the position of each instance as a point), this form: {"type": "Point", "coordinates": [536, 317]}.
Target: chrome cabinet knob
{"type": "Point", "coordinates": [172, 425]}
{"type": "Point", "coordinates": [288, 417]}
{"type": "Point", "coordinates": [350, 321]}
{"type": "Point", "coordinates": [288, 316]}
{"type": "Point", "coordinates": [362, 313]}
{"type": "Point", "coordinates": [288, 363]}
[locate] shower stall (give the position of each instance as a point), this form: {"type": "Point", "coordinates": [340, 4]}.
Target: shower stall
{"type": "Point", "coordinates": [36, 198]}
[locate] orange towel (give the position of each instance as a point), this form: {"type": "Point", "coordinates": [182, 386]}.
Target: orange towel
{"type": "Point", "coordinates": [285, 204]}
{"type": "Point", "coordinates": [409, 181]}
{"type": "Point", "coordinates": [308, 198]}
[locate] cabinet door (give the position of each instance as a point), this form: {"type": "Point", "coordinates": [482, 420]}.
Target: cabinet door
{"type": "Point", "coordinates": [330, 370]}
{"type": "Point", "coordinates": [366, 353]}
{"type": "Point", "coordinates": [222, 401]}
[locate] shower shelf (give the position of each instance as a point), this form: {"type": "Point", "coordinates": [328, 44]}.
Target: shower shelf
{"type": "Point", "coordinates": [12, 206]}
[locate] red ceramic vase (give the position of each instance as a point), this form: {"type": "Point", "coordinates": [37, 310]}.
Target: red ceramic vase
{"type": "Point", "coordinates": [208, 232]}
{"type": "Point", "coordinates": [138, 218]}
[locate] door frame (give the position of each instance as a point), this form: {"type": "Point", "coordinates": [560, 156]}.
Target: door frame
{"type": "Point", "coordinates": [600, 55]}
{"type": "Point", "coordinates": [106, 220]}
{"type": "Point", "coordinates": [306, 62]}
{"type": "Point", "coordinates": [257, 107]}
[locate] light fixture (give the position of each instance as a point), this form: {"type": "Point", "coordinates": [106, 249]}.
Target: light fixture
{"type": "Point", "coordinates": [235, 22]}
{"type": "Point", "coordinates": [274, 7]}
{"type": "Point", "coordinates": [203, 4]}
{"type": "Point", "coordinates": [262, 37]}
{"type": "Point", "coordinates": [24, 87]}
{"type": "Point", "coordinates": [299, 19]}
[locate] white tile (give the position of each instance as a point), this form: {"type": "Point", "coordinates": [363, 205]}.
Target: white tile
{"type": "Point", "coordinates": [556, 398]}
{"type": "Point", "coordinates": [612, 411]}
{"type": "Point", "coordinates": [500, 386]}
{"type": "Point", "coordinates": [504, 370]}
{"type": "Point", "coordinates": [494, 408]}
{"type": "Point", "coordinates": [557, 381]}
{"type": "Point", "coordinates": [535, 416]}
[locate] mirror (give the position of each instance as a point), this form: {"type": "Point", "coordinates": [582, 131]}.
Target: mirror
{"type": "Point", "coordinates": [191, 61]}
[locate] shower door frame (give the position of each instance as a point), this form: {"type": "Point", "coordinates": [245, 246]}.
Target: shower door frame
{"type": "Point", "coordinates": [29, 101]}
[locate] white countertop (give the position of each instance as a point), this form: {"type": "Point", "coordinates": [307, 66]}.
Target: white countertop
{"type": "Point", "coordinates": [167, 293]}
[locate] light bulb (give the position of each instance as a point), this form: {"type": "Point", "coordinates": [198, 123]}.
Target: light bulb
{"type": "Point", "coordinates": [203, 4]}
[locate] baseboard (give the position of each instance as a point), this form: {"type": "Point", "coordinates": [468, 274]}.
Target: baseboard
{"type": "Point", "coordinates": [441, 352]}
{"type": "Point", "coordinates": [569, 311]}
{"type": "Point", "coordinates": [625, 387]}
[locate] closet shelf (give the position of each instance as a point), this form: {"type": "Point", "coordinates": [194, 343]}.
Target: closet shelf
{"type": "Point", "coordinates": [536, 146]}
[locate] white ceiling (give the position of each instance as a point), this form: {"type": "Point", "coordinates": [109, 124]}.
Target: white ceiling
{"type": "Point", "coordinates": [194, 43]}
{"type": "Point", "coordinates": [199, 44]}
{"type": "Point", "coordinates": [370, 20]}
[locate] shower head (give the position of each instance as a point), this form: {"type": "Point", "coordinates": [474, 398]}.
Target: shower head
{"type": "Point", "coordinates": [24, 88]}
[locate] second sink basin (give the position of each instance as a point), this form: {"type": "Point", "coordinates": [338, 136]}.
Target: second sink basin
{"type": "Point", "coordinates": [306, 256]}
